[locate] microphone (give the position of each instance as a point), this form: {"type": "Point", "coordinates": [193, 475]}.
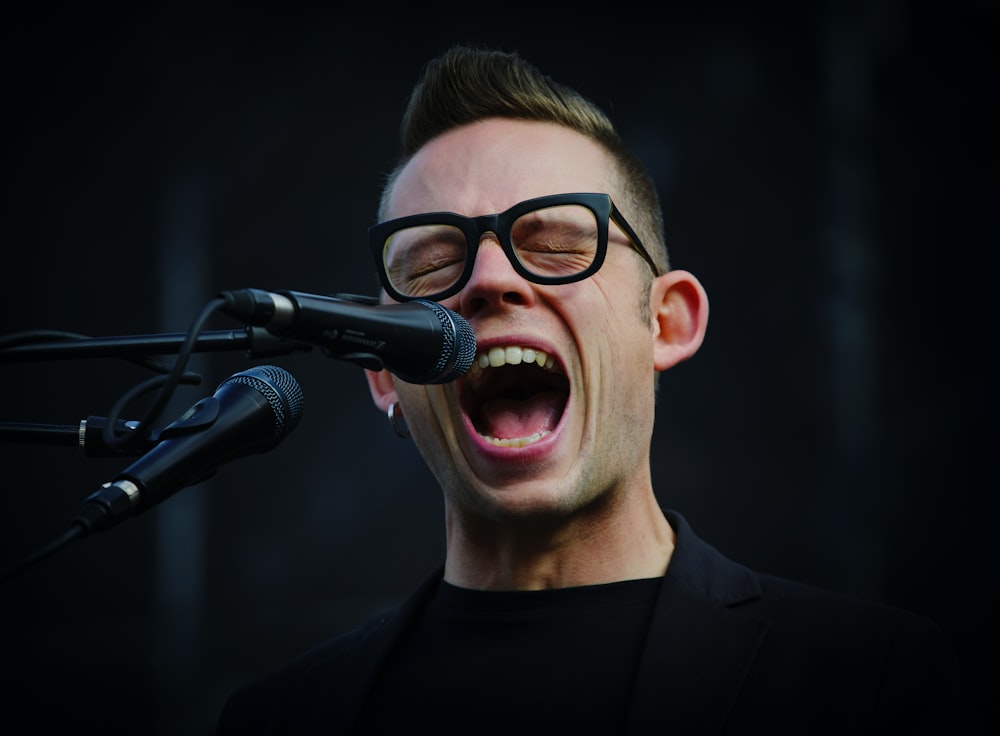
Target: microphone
{"type": "Point", "coordinates": [250, 412]}
{"type": "Point", "coordinates": [419, 341]}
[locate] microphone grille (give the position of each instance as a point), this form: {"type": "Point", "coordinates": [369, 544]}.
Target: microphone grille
{"type": "Point", "coordinates": [459, 348]}
{"type": "Point", "coordinates": [282, 391]}
{"type": "Point", "coordinates": [465, 340]}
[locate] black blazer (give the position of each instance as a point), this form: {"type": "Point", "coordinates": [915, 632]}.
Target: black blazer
{"type": "Point", "coordinates": [729, 651]}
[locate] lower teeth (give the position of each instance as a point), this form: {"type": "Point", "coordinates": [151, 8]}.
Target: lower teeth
{"type": "Point", "coordinates": [516, 441]}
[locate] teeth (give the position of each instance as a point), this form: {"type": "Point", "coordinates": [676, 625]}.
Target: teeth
{"type": "Point", "coordinates": [515, 441]}
{"type": "Point", "coordinates": [512, 355]}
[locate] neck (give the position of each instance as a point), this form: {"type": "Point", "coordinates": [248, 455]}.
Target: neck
{"type": "Point", "coordinates": [604, 543]}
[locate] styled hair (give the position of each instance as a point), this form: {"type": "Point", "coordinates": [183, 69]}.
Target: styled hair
{"type": "Point", "coordinates": [466, 84]}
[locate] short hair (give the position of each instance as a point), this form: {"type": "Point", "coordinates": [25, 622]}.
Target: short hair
{"type": "Point", "coordinates": [466, 84]}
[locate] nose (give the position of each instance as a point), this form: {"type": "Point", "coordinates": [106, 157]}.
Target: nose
{"type": "Point", "coordinates": [494, 282]}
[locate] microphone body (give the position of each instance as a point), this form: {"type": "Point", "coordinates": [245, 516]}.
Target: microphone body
{"type": "Point", "coordinates": [418, 341]}
{"type": "Point", "coordinates": [250, 412]}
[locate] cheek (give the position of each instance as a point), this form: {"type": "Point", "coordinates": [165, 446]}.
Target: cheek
{"type": "Point", "coordinates": [611, 314]}
{"type": "Point", "coordinates": [628, 337]}
{"type": "Point", "coordinates": [426, 413]}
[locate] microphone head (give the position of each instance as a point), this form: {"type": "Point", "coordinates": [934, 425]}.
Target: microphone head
{"type": "Point", "coordinates": [280, 389]}
{"type": "Point", "coordinates": [459, 344]}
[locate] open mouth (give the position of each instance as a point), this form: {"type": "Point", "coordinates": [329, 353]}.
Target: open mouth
{"type": "Point", "coordinates": [514, 396]}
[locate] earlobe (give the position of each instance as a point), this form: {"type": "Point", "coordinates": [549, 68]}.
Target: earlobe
{"type": "Point", "coordinates": [382, 388]}
{"type": "Point", "coordinates": [680, 313]}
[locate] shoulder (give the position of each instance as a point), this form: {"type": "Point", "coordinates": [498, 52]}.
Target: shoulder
{"type": "Point", "coordinates": [816, 650]}
{"type": "Point", "coordinates": [861, 659]}
{"type": "Point", "coordinates": [705, 573]}
{"type": "Point", "coordinates": [267, 704]}
{"type": "Point", "coordinates": [844, 622]}
{"type": "Point", "coordinates": [806, 624]}
{"type": "Point", "coordinates": [324, 684]}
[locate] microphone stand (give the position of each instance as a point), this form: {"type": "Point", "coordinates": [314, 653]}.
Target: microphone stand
{"type": "Point", "coordinates": [28, 346]}
{"type": "Point", "coordinates": [256, 341]}
{"type": "Point", "coordinates": [87, 436]}
{"type": "Point", "coordinates": [50, 344]}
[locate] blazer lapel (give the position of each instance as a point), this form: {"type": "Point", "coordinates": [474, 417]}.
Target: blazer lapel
{"type": "Point", "coordinates": [698, 650]}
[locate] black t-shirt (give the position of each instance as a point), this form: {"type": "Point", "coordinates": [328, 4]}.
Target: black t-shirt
{"type": "Point", "coordinates": [516, 662]}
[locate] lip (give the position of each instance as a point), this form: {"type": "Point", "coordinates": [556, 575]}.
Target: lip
{"type": "Point", "coordinates": [536, 451]}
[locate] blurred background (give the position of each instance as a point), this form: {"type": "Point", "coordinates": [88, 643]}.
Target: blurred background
{"type": "Point", "coordinates": [828, 170]}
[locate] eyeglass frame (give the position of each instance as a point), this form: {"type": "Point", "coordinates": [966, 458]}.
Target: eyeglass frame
{"type": "Point", "coordinates": [500, 224]}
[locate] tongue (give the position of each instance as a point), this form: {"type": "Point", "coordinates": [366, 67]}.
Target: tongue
{"type": "Point", "coordinates": [506, 418]}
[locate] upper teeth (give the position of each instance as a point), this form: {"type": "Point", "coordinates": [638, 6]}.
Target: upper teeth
{"type": "Point", "coordinates": [511, 355]}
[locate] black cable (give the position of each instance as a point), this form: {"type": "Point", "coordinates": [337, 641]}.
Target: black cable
{"type": "Point", "coordinates": [177, 375]}
{"type": "Point", "coordinates": [74, 532]}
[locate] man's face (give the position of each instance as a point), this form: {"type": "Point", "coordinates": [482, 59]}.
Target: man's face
{"type": "Point", "coordinates": [563, 413]}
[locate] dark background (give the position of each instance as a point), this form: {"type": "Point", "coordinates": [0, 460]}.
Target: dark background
{"type": "Point", "coordinates": [828, 170]}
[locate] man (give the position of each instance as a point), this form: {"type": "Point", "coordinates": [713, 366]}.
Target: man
{"type": "Point", "coordinates": [568, 601]}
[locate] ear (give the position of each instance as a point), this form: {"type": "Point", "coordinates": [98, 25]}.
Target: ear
{"type": "Point", "coordinates": [680, 318]}
{"type": "Point", "coordinates": [382, 388]}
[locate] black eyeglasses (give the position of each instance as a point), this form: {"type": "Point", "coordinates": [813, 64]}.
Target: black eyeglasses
{"type": "Point", "coordinates": [557, 239]}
